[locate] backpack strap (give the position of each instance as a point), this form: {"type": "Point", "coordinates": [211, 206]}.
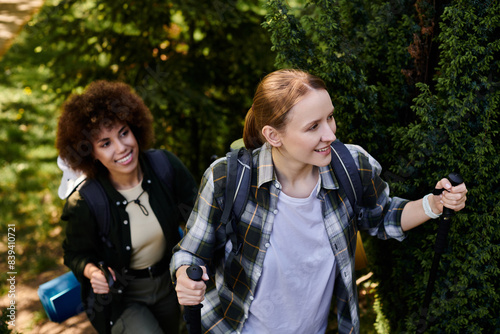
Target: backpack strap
{"type": "Point", "coordinates": [238, 181]}
{"type": "Point", "coordinates": [98, 203]}
{"type": "Point", "coordinates": [347, 173]}
{"type": "Point", "coordinates": [243, 165]}
{"type": "Point", "coordinates": [164, 170]}
{"type": "Point", "coordinates": [161, 166]}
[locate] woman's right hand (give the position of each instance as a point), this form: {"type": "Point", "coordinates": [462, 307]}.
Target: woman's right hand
{"type": "Point", "coordinates": [190, 292]}
{"type": "Point", "coordinates": [97, 278]}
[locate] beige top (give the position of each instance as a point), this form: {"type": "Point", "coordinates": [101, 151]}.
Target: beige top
{"type": "Point", "coordinates": [148, 242]}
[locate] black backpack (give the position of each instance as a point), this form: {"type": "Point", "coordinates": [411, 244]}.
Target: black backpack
{"type": "Point", "coordinates": [97, 200]}
{"type": "Point", "coordinates": [239, 171]}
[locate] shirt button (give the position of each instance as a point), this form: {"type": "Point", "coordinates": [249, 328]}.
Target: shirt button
{"type": "Point", "coordinates": [268, 245]}
{"type": "Point", "coordinates": [127, 248]}
{"type": "Point", "coordinates": [251, 298]}
{"type": "Point", "coordinates": [125, 222]}
{"type": "Point", "coordinates": [124, 202]}
{"type": "Point", "coordinates": [117, 203]}
{"type": "Point", "coordinates": [149, 181]}
{"type": "Point", "coordinates": [275, 211]}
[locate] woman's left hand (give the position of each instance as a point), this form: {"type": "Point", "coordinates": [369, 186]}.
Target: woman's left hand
{"type": "Point", "coordinates": [452, 197]}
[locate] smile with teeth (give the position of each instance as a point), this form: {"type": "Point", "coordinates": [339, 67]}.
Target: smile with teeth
{"type": "Point", "coordinates": [128, 157]}
{"type": "Point", "coordinates": [323, 149]}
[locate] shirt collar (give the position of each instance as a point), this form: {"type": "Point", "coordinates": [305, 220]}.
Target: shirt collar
{"type": "Point", "coordinates": [266, 173]}
{"type": "Point", "coordinates": [265, 168]}
{"type": "Point", "coordinates": [328, 179]}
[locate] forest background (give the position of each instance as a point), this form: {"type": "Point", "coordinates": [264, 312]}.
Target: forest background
{"type": "Point", "coordinates": [416, 83]}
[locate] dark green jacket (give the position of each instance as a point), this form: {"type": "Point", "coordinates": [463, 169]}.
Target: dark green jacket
{"type": "Point", "coordinates": [83, 245]}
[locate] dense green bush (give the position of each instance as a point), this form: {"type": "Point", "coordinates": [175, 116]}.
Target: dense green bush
{"type": "Point", "coordinates": [458, 130]}
{"type": "Point", "coordinates": [416, 83]}
{"type": "Point", "coordinates": [355, 47]}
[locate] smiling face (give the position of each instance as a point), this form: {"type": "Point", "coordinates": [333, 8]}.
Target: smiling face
{"type": "Point", "coordinates": [309, 131]}
{"type": "Point", "coordinates": [117, 149]}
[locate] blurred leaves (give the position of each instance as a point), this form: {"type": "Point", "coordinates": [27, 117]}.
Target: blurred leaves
{"type": "Point", "coordinates": [196, 65]}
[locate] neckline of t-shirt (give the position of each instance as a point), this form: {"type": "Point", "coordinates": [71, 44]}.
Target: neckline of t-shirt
{"type": "Point", "coordinates": [301, 200]}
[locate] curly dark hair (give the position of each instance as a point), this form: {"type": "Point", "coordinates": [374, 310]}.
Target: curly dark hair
{"type": "Point", "coordinates": [102, 104]}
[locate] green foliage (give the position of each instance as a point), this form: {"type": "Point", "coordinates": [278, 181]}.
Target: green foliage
{"type": "Point", "coordinates": [4, 322]}
{"type": "Point", "coordinates": [416, 83]}
{"type": "Point", "coordinates": [195, 64]}
{"type": "Point", "coordinates": [458, 131]}
{"type": "Point", "coordinates": [347, 44]}
{"type": "Point", "coordinates": [381, 323]}
{"type": "Point", "coordinates": [29, 175]}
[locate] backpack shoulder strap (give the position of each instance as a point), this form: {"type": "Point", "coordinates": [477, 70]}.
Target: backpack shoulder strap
{"type": "Point", "coordinates": [239, 169]}
{"type": "Point", "coordinates": [347, 174]}
{"type": "Point", "coordinates": [243, 177]}
{"type": "Point", "coordinates": [164, 170]}
{"type": "Point", "coordinates": [97, 200]}
{"type": "Point", "coordinates": [238, 182]}
{"type": "Point", "coordinates": [161, 166]}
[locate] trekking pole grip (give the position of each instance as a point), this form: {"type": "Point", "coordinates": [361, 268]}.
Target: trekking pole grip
{"type": "Point", "coordinates": [444, 226]}
{"type": "Point", "coordinates": [455, 180]}
{"type": "Point", "coordinates": [195, 273]}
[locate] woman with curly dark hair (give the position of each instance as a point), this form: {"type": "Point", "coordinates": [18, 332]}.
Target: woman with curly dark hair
{"type": "Point", "coordinates": [104, 133]}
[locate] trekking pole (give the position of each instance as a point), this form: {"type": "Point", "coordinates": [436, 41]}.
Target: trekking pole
{"type": "Point", "coordinates": [106, 298]}
{"type": "Point", "coordinates": [442, 233]}
{"type": "Point", "coordinates": [193, 313]}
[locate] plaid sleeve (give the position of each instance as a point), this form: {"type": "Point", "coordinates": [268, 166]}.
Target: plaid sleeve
{"type": "Point", "coordinates": [203, 235]}
{"type": "Point", "coordinates": [381, 214]}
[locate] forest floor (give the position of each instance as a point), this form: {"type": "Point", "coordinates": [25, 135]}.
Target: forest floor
{"type": "Point", "coordinates": [13, 16]}
{"type": "Point", "coordinates": [30, 316]}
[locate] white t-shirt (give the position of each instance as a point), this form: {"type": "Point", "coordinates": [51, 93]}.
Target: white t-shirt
{"type": "Point", "coordinates": [293, 294]}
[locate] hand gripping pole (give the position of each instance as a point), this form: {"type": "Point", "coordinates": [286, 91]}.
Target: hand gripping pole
{"type": "Point", "coordinates": [442, 234]}
{"type": "Point", "coordinates": [193, 313]}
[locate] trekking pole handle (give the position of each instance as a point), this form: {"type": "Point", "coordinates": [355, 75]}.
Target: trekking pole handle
{"type": "Point", "coordinates": [444, 227]}
{"type": "Point", "coordinates": [455, 180]}
{"type": "Point", "coordinates": [107, 274]}
{"type": "Point", "coordinates": [195, 273]}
